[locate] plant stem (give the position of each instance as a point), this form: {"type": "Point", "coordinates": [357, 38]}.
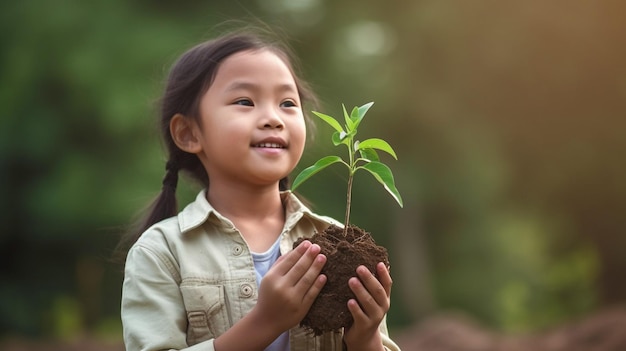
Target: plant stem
{"type": "Point", "coordinates": [352, 169]}
{"type": "Point", "coordinates": [348, 203]}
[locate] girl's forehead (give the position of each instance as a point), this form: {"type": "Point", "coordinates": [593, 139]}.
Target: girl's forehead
{"type": "Point", "coordinates": [263, 65]}
{"type": "Point", "coordinates": [253, 58]}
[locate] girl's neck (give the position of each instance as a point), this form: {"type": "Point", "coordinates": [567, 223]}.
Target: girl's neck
{"type": "Point", "coordinates": [237, 202]}
{"type": "Point", "coordinates": [257, 213]}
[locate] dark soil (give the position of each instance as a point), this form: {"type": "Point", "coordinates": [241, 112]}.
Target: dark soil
{"type": "Point", "coordinates": [344, 254]}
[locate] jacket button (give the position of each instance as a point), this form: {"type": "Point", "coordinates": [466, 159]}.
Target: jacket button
{"type": "Point", "coordinates": [246, 290]}
{"type": "Point", "coordinates": [237, 250]}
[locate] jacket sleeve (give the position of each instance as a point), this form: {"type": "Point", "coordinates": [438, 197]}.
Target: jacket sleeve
{"type": "Point", "coordinates": [153, 312]}
{"type": "Point", "coordinates": [388, 344]}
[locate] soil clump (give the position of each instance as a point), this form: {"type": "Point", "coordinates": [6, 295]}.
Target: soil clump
{"type": "Point", "coordinates": [344, 254]}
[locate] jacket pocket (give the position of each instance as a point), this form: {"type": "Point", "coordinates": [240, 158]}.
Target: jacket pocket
{"type": "Point", "coordinates": [206, 312]}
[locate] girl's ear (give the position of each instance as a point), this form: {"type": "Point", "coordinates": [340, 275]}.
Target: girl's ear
{"type": "Point", "coordinates": [183, 131]}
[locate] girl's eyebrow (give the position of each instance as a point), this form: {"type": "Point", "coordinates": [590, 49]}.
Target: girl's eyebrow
{"type": "Point", "coordinates": [241, 85]}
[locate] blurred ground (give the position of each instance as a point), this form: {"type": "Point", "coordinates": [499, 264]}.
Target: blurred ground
{"type": "Point", "coordinates": [83, 344]}
{"type": "Point", "coordinates": [602, 331]}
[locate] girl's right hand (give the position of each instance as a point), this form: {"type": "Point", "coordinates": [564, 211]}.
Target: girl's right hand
{"type": "Point", "coordinates": [289, 288]}
{"type": "Point", "coordinates": [285, 296]}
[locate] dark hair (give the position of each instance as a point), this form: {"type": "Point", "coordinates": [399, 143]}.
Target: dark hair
{"type": "Point", "coordinates": [189, 78]}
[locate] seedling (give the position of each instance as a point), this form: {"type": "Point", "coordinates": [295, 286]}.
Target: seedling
{"type": "Point", "coordinates": [366, 159]}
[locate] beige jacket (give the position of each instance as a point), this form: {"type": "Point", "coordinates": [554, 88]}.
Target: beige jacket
{"type": "Point", "coordinates": [189, 278]}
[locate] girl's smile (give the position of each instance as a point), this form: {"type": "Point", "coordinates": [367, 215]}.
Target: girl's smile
{"type": "Point", "coordinates": [271, 146]}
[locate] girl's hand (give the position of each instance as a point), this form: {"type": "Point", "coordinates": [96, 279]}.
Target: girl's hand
{"type": "Point", "coordinates": [368, 310]}
{"type": "Point", "coordinates": [287, 292]}
{"type": "Point", "coordinates": [289, 288]}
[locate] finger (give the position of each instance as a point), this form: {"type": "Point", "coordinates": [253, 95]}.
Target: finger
{"type": "Point", "coordinates": [365, 300]}
{"type": "Point", "coordinates": [287, 261]}
{"type": "Point", "coordinates": [312, 273]}
{"type": "Point", "coordinates": [372, 312]}
{"type": "Point", "coordinates": [374, 287]}
{"type": "Point", "coordinates": [302, 268]}
{"type": "Point", "coordinates": [384, 277]}
{"type": "Point", "coordinates": [358, 314]}
{"type": "Point", "coordinates": [314, 290]}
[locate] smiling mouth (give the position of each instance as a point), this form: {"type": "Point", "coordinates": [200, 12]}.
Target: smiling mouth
{"type": "Point", "coordinates": [269, 145]}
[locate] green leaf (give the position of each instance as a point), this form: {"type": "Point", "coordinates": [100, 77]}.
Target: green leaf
{"type": "Point", "coordinates": [339, 138]}
{"type": "Point", "coordinates": [376, 143]}
{"type": "Point", "coordinates": [382, 173]}
{"type": "Point", "coordinates": [363, 109]}
{"type": "Point", "coordinates": [310, 171]}
{"type": "Point", "coordinates": [330, 120]}
{"type": "Point", "coordinates": [346, 117]}
{"type": "Point", "coordinates": [361, 113]}
{"type": "Point", "coordinates": [369, 154]}
{"type": "Point", "coordinates": [354, 115]}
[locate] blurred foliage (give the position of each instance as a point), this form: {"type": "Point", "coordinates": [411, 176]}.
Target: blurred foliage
{"type": "Point", "coordinates": [507, 117]}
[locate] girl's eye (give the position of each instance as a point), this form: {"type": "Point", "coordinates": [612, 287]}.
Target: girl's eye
{"type": "Point", "coordinates": [288, 103]}
{"type": "Point", "coordinates": [244, 102]}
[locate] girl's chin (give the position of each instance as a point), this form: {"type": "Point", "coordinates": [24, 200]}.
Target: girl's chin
{"type": "Point", "coordinates": [271, 179]}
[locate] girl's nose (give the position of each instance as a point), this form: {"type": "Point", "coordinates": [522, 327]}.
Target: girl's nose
{"type": "Point", "coordinates": [272, 120]}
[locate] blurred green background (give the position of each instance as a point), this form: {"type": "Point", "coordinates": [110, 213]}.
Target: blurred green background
{"type": "Point", "coordinates": [507, 117]}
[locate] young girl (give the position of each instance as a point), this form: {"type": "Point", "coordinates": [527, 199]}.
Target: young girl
{"type": "Point", "coordinates": [221, 274]}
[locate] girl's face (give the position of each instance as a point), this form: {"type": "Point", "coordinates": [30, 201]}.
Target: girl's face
{"type": "Point", "coordinates": [252, 128]}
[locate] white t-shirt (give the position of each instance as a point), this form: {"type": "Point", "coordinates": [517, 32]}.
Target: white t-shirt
{"type": "Point", "coordinates": [262, 263]}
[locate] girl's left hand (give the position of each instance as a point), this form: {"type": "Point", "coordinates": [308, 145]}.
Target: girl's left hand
{"type": "Point", "coordinates": [368, 310]}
